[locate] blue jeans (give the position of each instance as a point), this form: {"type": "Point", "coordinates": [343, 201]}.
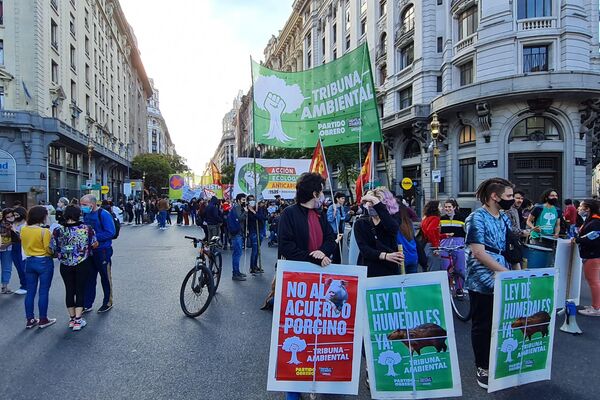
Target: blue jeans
{"type": "Point", "coordinates": [292, 396]}
{"type": "Point", "coordinates": [6, 261]}
{"type": "Point", "coordinates": [42, 269]}
{"type": "Point", "coordinates": [236, 246]}
{"type": "Point", "coordinates": [253, 236]}
{"type": "Point", "coordinates": [162, 219]}
{"type": "Point", "coordinates": [17, 259]}
{"type": "Point", "coordinates": [101, 264]}
{"type": "Point", "coordinates": [272, 236]}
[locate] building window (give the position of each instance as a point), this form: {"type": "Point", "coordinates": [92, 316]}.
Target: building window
{"type": "Point", "coordinates": [348, 19]}
{"type": "Point", "coordinates": [73, 58]}
{"type": "Point", "coordinates": [466, 73]}
{"type": "Point", "coordinates": [534, 8]}
{"type": "Point", "coordinates": [73, 92]}
{"type": "Point", "coordinates": [440, 44]}
{"type": "Point", "coordinates": [1, 13]}
{"type": "Point", "coordinates": [87, 46]}
{"type": "Point", "coordinates": [440, 2]}
{"type": "Point", "coordinates": [71, 160]}
{"type": "Point", "coordinates": [408, 19]}
{"type": "Point", "coordinates": [54, 155]}
{"type": "Point", "coordinates": [87, 105]}
{"type": "Point", "coordinates": [335, 54]}
{"type": "Point", "coordinates": [54, 34]}
{"type": "Point", "coordinates": [54, 4]}
{"type": "Point", "coordinates": [439, 84]}
{"type": "Point", "coordinates": [407, 56]}
{"type": "Point", "coordinates": [467, 136]}
{"type": "Point", "coordinates": [87, 74]}
{"type": "Point", "coordinates": [466, 173]}
{"type": "Point", "coordinates": [1, 52]}
{"type": "Point", "coordinates": [383, 43]}
{"type": "Point", "coordinates": [535, 129]}
{"type": "Point", "coordinates": [412, 149]}
{"type": "Point", "coordinates": [72, 25]}
{"type": "Point", "coordinates": [347, 42]}
{"type": "Point", "coordinates": [535, 58]}
{"type": "Point", "coordinates": [405, 98]}
{"type": "Point", "coordinates": [382, 8]}
{"type": "Point", "coordinates": [382, 74]}
{"type": "Point", "coordinates": [363, 26]}
{"type": "Point", "coordinates": [467, 23]}
{"type": "Point", "coordinates": [308, 59]}
{"type": "Point", "coordinates": [1, 97]}
{"type": "Point", "coordinates": [334, 34]}
{"type": "Point", "coordinates": [54, 70]}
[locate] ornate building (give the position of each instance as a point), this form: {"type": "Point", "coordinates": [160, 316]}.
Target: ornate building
{"type": "Point", "coordinates": [73, 96]}
{"type": "Point", "coordinates": [513, 82]}
{"type": "Point", "coordinates": [159, 139]}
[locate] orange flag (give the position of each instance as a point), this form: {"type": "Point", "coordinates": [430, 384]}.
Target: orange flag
{"type": "Point", "coordinates": [216, 174]}
{"type": "Point", "coordinates": [365, 175]}
{"type": "Point", "coordinates": [317, 164]}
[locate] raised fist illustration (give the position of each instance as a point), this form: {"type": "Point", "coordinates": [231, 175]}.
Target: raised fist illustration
{"type": "Point", "coordinates": [275, 105]}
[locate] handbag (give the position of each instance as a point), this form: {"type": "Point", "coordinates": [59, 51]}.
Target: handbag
{"type": "Point", "coordinates": [513, 249]}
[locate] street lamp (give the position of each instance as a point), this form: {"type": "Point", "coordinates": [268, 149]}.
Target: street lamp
{"type": "Point", "coordinates": [435, 133]}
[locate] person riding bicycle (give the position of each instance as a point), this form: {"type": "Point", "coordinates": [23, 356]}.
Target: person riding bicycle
{"type": "Point", "coordinates": [453, 222]}
{"type": "Point", "coordinates": [486, 240]}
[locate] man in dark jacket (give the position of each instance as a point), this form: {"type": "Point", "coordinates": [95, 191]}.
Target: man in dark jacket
{"type": "Point", "coordinates": [256, 218]}
{"type": "Point", "coordinates": [304, 233]}
{"type": "Point", "coordinates": [213, 217]}
{"type": "Point", "coordinates": [235, 220]}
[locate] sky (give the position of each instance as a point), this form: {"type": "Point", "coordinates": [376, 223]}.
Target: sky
{"type": "Point", "coordinates": [198, 53]}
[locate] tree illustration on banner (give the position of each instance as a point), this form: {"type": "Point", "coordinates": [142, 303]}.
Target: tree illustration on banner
{"type": "Point", "coordinates": [508, 346]}
{"type": "Point", "coordinates": [274, 96]}
{"type": "Point", "coordinates": [294, 345]}
{"type": "Point", "coordinates": [390, 359]}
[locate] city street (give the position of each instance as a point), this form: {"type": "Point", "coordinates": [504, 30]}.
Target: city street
{"type": "Point", "coordinates": [145, 348]}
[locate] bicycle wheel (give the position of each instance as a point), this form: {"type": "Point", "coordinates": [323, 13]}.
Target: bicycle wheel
{"type": "Point", "coordinates": [197, 291]}
{"type": "Point", "coordinates": [216, 266]}
{"type": "Point", "coordinates": [461, 303]}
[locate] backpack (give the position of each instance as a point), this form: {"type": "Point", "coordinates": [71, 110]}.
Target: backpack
{"type": "Point", "coordinates": [115, 221]}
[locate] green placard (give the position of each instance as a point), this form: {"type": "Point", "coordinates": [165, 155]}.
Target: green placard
{"type": "Point", "coordinates": [335, 101]}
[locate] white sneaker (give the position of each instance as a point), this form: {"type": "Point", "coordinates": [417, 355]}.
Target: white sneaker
{"type": "Point", "coordinates": [590, 312]}
{"type": "Point", "coordinates": [79, 324]}
{"type": "Point", "coordinates": [21, 291]}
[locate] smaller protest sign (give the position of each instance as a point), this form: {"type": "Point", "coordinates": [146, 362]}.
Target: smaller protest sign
{"type": "Point", "coordinates": [568, 265]}
{"type": "Point", "coordinates": [409, 337]}
{"type": "Point", "coordinates": [522, 328]}
{"type": "Point", "coordinates": [316, 335]}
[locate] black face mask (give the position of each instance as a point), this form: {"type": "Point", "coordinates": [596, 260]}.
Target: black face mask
{"type": "Point", "coordinates": [552, 202]}
{"type": "Point", "coordinates": [506, 204]}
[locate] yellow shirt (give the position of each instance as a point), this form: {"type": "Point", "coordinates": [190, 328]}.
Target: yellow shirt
{"type": "Point", "coordinates": [36, 241]}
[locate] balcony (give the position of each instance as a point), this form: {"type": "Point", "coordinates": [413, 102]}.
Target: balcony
{"type": "Point", "coordinates": [404, 32]}
{"type": "Point", "coordinates": [536, 24]}
{"type": "Point", "coordinates": [380, 54]}
{"type": "Point", "coordinates": [466, 42]}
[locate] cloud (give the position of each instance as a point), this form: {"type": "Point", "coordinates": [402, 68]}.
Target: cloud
{"type": "Point", "coordinates": [198, 52]}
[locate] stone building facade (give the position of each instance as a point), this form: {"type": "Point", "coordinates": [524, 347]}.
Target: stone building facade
{"type": "Point", "coordinates": [73, 96]}
{"type": "Point", "coordinates": [514, 84]}
{"type": "Point", "coordinates": [159, 139]}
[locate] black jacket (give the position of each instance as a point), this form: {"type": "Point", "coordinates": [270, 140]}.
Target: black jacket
{"type": "Point", "coordinates": [589, 248]}
{"type": "Point", "coordinates": [293, 235]}
{"type": "Point", "coordinates": [374, 239]}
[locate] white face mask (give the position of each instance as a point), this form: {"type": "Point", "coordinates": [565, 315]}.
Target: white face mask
{"type": "Point", "coordinates": [320, 200]}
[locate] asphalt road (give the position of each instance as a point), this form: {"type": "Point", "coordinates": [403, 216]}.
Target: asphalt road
{"type": "Point", "coordinates": [145, 348]}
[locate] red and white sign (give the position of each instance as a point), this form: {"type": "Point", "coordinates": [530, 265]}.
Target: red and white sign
{"type": "Point", "coordinates": [316, 335]}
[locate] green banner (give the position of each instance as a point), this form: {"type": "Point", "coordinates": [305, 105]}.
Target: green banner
{"type": "Point", "coordinates": [410, 346]}
{"type": "Point", "coordinates": [335, 100]}
{"type": "Point", "coordinates": [523, 328]}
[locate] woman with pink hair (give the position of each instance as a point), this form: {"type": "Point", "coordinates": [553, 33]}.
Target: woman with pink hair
{"type": "Point", "coordinates": [376, 234]}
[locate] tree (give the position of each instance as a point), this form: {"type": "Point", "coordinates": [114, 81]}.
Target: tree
{"type": "Point", "coordinates": [228, 174]}
{"type": "Point", "coordinates": [155, 168]}
{"type": "Point", "coordinates": [294, 345]}
{"type": "Point", "coordinates": [281, 152]}
{"type": "Point", "coordinates": [177, 163]}
{"type": "Point", "coordinates": [390, 359]}
{"type": "Point", "coordinates": [346, 158]}
{"type": "Point", "coordinates": [508, 346]}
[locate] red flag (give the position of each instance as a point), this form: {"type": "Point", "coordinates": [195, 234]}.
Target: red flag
{"type": "Point", "coordinates": [317, 164]}
{"type": "Point", "coordinates": [216, 174]}
{"type": "Point", "coordinates": [365, 175]}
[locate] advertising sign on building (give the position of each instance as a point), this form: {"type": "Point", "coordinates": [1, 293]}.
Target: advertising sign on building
{"type": "Point", "coordinates": [409, 337]}
{"type": "Point", "coordinates": [522, 328]}
{"type": "Point", "coordinates": [8, 172]}
{"type": "Point", "coordinates": [270, 177]}
{"type": "Point", "coordinates": [317, 328]}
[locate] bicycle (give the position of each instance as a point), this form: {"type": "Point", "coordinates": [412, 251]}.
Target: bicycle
{"type": "Point", "coordinates": [198, 287]}
{"type": "Point", "coordinates": [459, 298]}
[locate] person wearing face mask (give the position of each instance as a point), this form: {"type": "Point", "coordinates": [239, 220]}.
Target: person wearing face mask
{"type": "Point", "coordinates": [304, 233]}
{"type": "Point", "coordinates": [20, 214]}
{"type": "Point", "coordinates": [376, 235]}
{"type": "Point", "coordinates": [255, 218]}
{"type": "Point", "coordinates": [39, 268]}
{"type": "Point", "coordinates": [6, 245]}
{"type": "Point", "coordinates": [545, 218]}
{"type": "Point", "coordinates": [588, 240]}
{"type": "Point", "coordinates": [486, 241]}
{"type": "Point", "coordinates": [236, 220]}
{"type": "Point", "coordinates": [102, 223]}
